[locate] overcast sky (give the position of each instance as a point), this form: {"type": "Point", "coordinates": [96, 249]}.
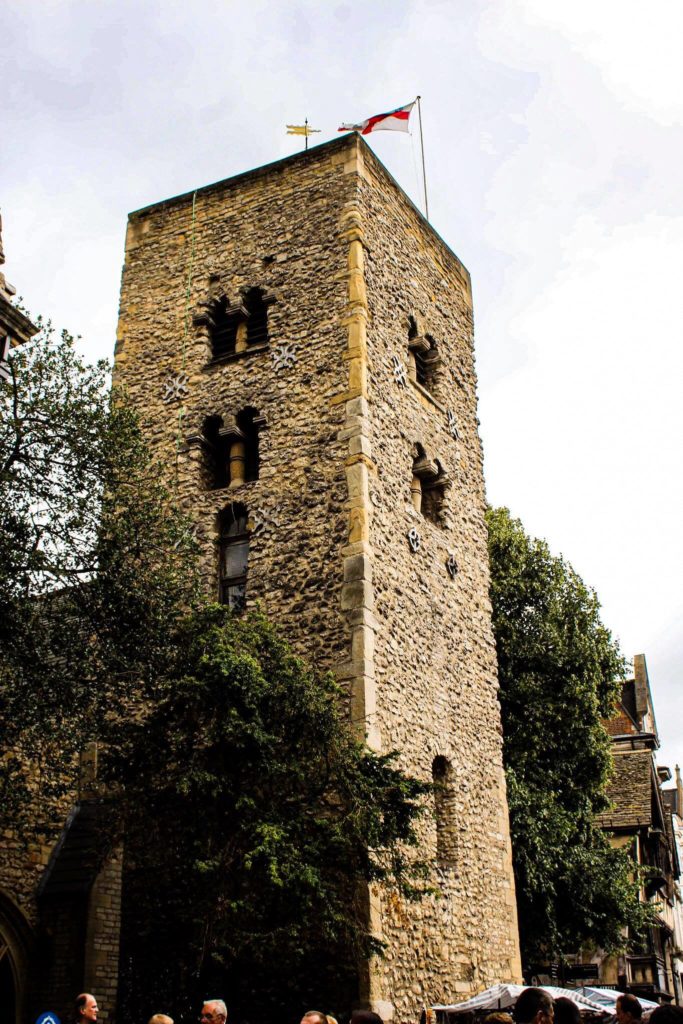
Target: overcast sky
{"type": "Point", "coordinates": [554, 147]}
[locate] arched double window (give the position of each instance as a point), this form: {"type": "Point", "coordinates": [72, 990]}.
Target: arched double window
{"type": "Point", "coordinates": [239, 327]}
{"type": "Point", "coordinates": [233, 556]}
{"type": "Point", "coordinates": [231, 452]}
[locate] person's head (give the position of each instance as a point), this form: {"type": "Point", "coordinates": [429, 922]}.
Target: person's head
{"type": "Point", "coordinates": [160, 1018]}
{"type": "Point", "coordinates": [566, 1011]}
{"type": "Point", "coordinates": [85, 1008]}
{"type": "Point", "coordinates": [214, 1011]}
{"type": "Point", "coordinates": [365, 1017]}
{"type": "Point", "coordinates": [628, 1009]}
{"type": "Point", "coordinates": [330, 1019]}
{"type": "Point", "coordinates": [314, 1017]}
{"type": "Point", "coordinates": [534, 1006]}
{"type": "Point", "coordinates": [498, 1017]}
{"type": "Point", "coordinates": [667, 1014]}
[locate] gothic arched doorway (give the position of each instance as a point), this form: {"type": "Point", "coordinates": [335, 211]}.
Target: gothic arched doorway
{"type": "Point", "coordinates": [8, 992]}
{"type": "Point", "coordinates": [15, 942]}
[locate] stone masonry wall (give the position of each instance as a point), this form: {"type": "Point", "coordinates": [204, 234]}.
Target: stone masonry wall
{"type": "Point", "coordinates": [276, 231]}
{"type": "Point", "coordinates": [72, 940]}
{"type": "Point", "coordinates": [348, 260]}
{"type": "Point", "coordinates": [103, 929]}
{"type": "Point", "coordinates": [434, 662]}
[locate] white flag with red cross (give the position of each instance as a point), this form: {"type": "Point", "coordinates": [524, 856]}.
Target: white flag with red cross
{"type": "Point", "coordinates": [393, 121]}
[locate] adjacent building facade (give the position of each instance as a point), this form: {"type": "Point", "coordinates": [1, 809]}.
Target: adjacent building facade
{"type": "Point", "coordinates": [673, 802]}
{"type": "Point", "coordinates": [299, 342]}
{"type": "Point", "coordinates": [640, 820]}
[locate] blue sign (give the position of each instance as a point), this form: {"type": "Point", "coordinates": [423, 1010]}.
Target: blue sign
{"type": "Point", "coordinates": [48, 1018]}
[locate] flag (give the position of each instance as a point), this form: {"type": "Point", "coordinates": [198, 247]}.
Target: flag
{"type": "Point", "coordinates": [301, 129]}
{"type": "Point", "coordinates": [393, 121]}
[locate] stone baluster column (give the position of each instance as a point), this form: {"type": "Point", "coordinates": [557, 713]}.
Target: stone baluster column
{"type": "Point", "coordinates": [237, 463]}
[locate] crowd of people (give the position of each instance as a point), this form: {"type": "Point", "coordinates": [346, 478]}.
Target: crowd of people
{"type": "Point", "coordinates": [214, 1011]}
{"type": "Point", "coordinates": [534, 1006]}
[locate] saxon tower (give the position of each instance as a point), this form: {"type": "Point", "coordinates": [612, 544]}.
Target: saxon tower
{"type": "Point", "coordinates": [299, 342]}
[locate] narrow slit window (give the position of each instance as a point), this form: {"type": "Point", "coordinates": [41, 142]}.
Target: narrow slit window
{"type": "Point", "coordinates": [445, 812]}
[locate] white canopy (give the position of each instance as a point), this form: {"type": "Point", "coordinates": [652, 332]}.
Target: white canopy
{"type": "Point", "coordinates": [607, 997]}
{"type": "Point", "coordinates": [499, 997]}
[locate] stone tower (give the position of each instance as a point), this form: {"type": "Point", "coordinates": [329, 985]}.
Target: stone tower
{"type": "Point", "coordinates": [299, 341]}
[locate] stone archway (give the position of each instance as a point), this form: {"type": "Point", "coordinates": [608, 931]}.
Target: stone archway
{"type": "Point", "coordinates": [15, 943]}
{"type": "Point", "coordinates": [8, 988]}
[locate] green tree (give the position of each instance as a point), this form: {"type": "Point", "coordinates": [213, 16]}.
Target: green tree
{"type": "Point", "coordinates": [96, 564]}
{"type": "Point", "coordinates": [254, 823]}
{"type": "Point", "coordinates": [560, 673]}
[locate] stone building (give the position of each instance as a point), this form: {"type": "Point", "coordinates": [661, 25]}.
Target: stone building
{"type": "Point", "coordinates": [640, 821]}
{"type": "Point", "coordinates": [299, 341]}
{"type": "Point", "coordinates": [15, 328]}
{"type": "Point", "coordinates": [673, 801]}
{"type": "Point", "coordinates": [59, 892]}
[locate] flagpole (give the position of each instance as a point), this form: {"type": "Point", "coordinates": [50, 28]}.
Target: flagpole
{"type": "Point", "coordinates": [422, 149]}
{"type": "Point", "coordinates": [306, 125]}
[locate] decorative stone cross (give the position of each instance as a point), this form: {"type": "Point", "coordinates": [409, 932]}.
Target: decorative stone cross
{"type": "Point", "coordinates": [284, 357]}
{"type": "Point", "coordinates": [414, 539]}
{"type": "Point", "coordinates": [452, 425]}
{"type": "Point", "coordinates": [400, 373]}
{"type": "Point", "coordinates": [175, 388]}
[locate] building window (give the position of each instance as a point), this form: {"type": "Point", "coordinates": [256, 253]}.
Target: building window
{"type": "Point", "coordinates": [423, 357]}
{"type": "Point", "coordinates": [232, 451]}
{"type": "Point", "coordinates": [235, 328]}
{"type": "Point", "coordinates": [444, 811]}
{"type": "Point", "coordinates": [233, 556]}
{"type": "Point", "coordinates": [228, 330]}
{"type": "Point", "coordinates": [428, 486]}
{"type": "Point", "coordinates": [249, 423]}
{"type": "Point", "coordinates": [257, 316]}
{"type": "Point", "coordinates": [216, 453]}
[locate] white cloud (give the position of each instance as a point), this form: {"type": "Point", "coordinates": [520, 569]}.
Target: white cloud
{"type": "Point", "coordinates": [635, 46]}
{"type": "Point", "coordinates": [553, 145]}
{"type": "Point", "coordinates": [580, 350]}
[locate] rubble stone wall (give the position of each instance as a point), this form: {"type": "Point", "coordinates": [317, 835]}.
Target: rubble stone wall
{"type": "Point", "coordinates": [278, 230]}
{"type": "Point", "coordinates": [434, 662]}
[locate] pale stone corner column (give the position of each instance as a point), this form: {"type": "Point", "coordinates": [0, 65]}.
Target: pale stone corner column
{"type": "Point", "coordinates": [103, 932]}
{"type": "Point", "coordinates": [515, 959]}
{"type": "Point", "coordinates": [358, 672]}
{"type": "Point", "coordinates": [357, 597]}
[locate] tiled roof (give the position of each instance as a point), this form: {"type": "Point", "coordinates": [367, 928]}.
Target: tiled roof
{"type": "Point", "coordinates": [630, 791]}
{"type": "Point", "coordinates": [76, 858]}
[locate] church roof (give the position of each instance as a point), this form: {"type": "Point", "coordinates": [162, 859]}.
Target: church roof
{"type": "Point", "coordinates": [76, 859]}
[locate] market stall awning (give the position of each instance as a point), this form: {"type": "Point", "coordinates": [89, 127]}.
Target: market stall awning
{"type": "Point", "coordinates": [607, 997]}
{"type": "Point", "coordinates": [499, 997]}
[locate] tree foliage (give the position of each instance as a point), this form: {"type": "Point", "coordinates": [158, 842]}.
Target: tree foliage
{"type": "Point", "coordinates": [559, 672]}
{"type": "Point", "coordinates": [96, 563]}
{"type": "Point", "coordinates": [255, 822]}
